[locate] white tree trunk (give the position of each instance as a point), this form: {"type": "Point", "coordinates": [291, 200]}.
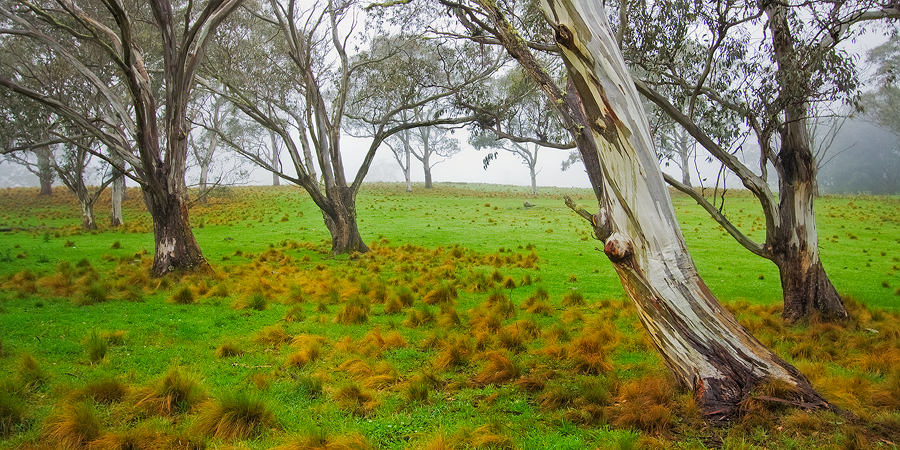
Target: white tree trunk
{"type": "Point", "coordinates": [701, 343]}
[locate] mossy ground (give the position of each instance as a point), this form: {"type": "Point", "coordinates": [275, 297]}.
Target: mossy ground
{"type": "Point", "coordinates": [459, 330]}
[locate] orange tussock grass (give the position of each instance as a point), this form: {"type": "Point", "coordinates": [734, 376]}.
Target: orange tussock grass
{"type": "Point", "coordinates": [23, 283]}
{"type": "Point", "coordinates": [229, 349]}
{"type": "Point", "coordinates": [755, 411]}
{"type": "Point", "coordinates": [142, 438]}
{"type": "Point", "coordinates": [354, 399]}
{"type": "Point", "coordinates": [72, 426]}
{"type": "Point", "coordinates": [308, 353]}
{"type": "Point", "coordinates": [354, 311]}
{"type": "Point", "coordinates": [234, 416]}
{"type": "Point", "coordinates": [456, 350]}
{"type": "Point", "coordinates": [499, 369]}
{"type": "Point", "coordinates": [443, 294]}
{"type": "Point", "coordinates": [272, 335]}
{"type": "Point", "coordinates": [384, 375]}
{"type": "Point", "coordinates": [374, 342]}
{"type": "Point", "coordinates": [646, 404]}
{"type": "Point", "coordinates": [105, 391]}
{"type": "Point", "coordinates": [882, 360]}
{"type": "Point", "coordinates": [176, 392]}
{"type": "Point", "coordinates": [887, 393]}
{"type": "Point", "coordinates": [322, 441]}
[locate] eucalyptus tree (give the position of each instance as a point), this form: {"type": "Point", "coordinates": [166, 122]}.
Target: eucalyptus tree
{"type": "Point", "coordinates": [429, 145]}
{"type": "Point", "coordinates": [305, 84]}
{"type": "Point", "coordinates": [72, 164]}
{"type": "Point", "coordinates": [701, 343]}
{"type": "Point", "coordinates": [771, 87]}
{"type": "Point", "coordinates": [515, 117]}
{"type": "Point", "coordinates": [140, 59]}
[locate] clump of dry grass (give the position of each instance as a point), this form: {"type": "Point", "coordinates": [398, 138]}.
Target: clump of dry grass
{"type": "Point", "coordinates": [319, 440]}
{"type": "Point", "coordinates": [354, 399]}
{"type": "Point", "coordinates": [175, 393]}
{"type": "Point", "coordinates": [29, 373]}
{"type": "Point", "coordinates": [646, 404]}
{"type": "Point", "coordinates": [72, 425]}
{"type": "Point", "coordinates": [355, 311]}
{"type": "Point", "coordinates": [443, 294]}
{"type": "Point", "coordinates": [184, 295]}
{"type": "Point", "coordinates": [499, 369]}
{"type": "Point", "coordinates": [105, 391]}
{"type": "Point", "coordinates": [13, 408]}
{"type": "Point", "coordinates": [272, 335]}
{"type": "Point", "coordinates": [229, 349]}
{"type": "Point", "coordinates": [142, 438]}
{"type": "Point", "coordinates": [237, 415]}
{"type": "Point", "coordinates": [456, 350]}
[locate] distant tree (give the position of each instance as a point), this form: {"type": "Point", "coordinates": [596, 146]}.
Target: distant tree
{"type": "Point", "coordinates": [515, 117]}
{"type": "Point", "coordinates": [72, 166]}
{"type": "Point", "coordinates": [309, 87]}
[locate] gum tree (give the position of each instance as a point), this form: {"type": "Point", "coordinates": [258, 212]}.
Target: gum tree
{"type": "Point", "coordinates": [305, 85]}
{"type": "Point", "coordinates": [140, 113]}
{"type": "Point", "coordinates": [773, 88]}
{"type": "Point", "coordinates": [701, 343]}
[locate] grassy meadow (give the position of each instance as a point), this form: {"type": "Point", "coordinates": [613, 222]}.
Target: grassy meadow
{"type": "Point", "coordinates": [473, 323]}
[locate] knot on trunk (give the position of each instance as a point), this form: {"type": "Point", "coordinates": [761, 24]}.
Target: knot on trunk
{"type": "Point", "coordinates": [565, 37]}
{"type": "Point", "coordinates": [619, 249]}
{"type": "Point", "coordinates": [603, 228]}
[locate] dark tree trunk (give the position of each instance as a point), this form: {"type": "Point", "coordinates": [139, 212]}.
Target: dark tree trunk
{"type": "Point", "coordinates": [807, 290]}
{"type": "Point", "coordinates": [794, 240]}
{"type": "Point", "coordinates": [176, 247]}
{"type": "Point", "coordinates": [45, 170]}
{"type": "Point", "coordinates": [341, 223]}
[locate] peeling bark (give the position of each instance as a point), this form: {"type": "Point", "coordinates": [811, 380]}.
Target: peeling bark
{"type": "Point", "coordinates": [341, 223]}
{"type": "Point", "coordinates": [700, 342]}
{"type": "Point", "coordinates": [176, 247]}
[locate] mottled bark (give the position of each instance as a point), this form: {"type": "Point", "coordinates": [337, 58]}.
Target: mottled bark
{"type": "Point", "coordinates": [176, 247]}
{"type": "Point", "coordinates": [793, 239]}
{"type": "Point", "coordinates": [340, 218]}
{"type": "Point", "coordinates": [45, 170]}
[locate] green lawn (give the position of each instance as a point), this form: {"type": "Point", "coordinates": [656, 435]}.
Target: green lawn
{"type": "Point", "coordinates": [511, 360]}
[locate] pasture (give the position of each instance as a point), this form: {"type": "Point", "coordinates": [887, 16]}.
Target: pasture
{"type": "Point", "coordinates": [474, 323]}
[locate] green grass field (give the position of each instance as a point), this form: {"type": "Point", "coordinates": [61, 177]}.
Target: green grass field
{"type": "Point", "coordinates": [473, 323]}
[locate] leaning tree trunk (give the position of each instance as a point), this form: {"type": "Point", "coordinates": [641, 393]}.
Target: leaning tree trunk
{"type": "Point", "coordinates": [340, 218]}
{"type": "Point", "coordinates": [806, 288]}
{"type": "Point", "coordinates": [700, 342]}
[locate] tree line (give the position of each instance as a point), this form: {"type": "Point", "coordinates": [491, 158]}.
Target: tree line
{"type": "Point", "coordinates": [127, 82]}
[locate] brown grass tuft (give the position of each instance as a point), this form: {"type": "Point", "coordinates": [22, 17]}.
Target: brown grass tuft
{"type": "Point", "coordinates": [142, 438]}
{"type": "Point", "coordinates": [456, 351]}
{"type": "Point", "coordinates": [355, 311]}
{"type": "Point", "coordinates": [175, 393]}
{"type": "Point", "coordinates": [646, 404]}
{"type": "Point", "coordinates": [229, 349]}
{"type": "Point", "coordinates": [499, 369]}
{"type": "Point", "coordinates": [272, 335]}
{"type": "Point", "coordinates": [322, 441]}
{"type": "Point", "coordinates": [105, 391]}
{"type": "Point", "coordinates": [354, 399]}
{"type": "Point", "coordinates": [234, 416]}
{"type": "Point", "coordinates": [72, 426]}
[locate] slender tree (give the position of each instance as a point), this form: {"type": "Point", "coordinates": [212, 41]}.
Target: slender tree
{"type": "Point", "coordinates": [309, 85]}
{"type": "Point", "coordinates": [773, 92]}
